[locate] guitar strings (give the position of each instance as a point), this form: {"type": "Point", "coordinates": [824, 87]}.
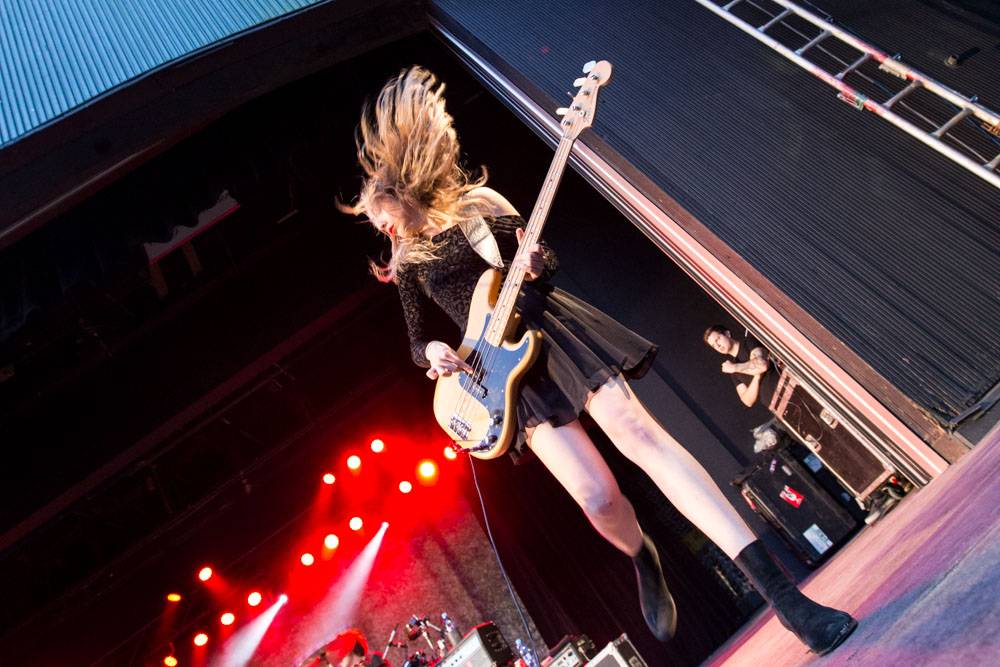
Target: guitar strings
{"type": "Point", "coordinates": [488, 360]}
{"type": "Point", "coordinates": [484, 364]}
{"type": "Point", "coordinates": [508, 293]}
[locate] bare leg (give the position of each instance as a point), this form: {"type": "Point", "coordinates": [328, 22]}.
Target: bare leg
{"type": "Point", "coordinates": [572, 458]}
{"type": "Point", "coordinates": [680, 477]}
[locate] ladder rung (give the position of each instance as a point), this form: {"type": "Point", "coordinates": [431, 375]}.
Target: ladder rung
{"type": "Point", "coordinates": [961, 115]}
{"type": "Point", "coordinates": [732, 4]}
{"type": "Point", "coordinates": [813, 42]}
{"type": "Point", "coordinates": [994, 163]}
{"type": "Point", "coordinates": [901, 94]}
{"type": "Point", "coordinates": [853, 66]}
{"type": "Point", "coordinates": [776, 19]}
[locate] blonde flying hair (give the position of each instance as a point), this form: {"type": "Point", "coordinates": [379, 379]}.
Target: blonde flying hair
{"type": "Point", "coordinates": [409, 152]}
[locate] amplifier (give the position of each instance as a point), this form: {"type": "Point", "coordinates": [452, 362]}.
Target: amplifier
{"type": "Point", "coordinates": [482, 646]}
{"type": "Point", "coordinates": [571, 651]}
{"type": "Point", "coordinates": [859, 469]}
{"type": "Point", "coordinates": [619, 653]}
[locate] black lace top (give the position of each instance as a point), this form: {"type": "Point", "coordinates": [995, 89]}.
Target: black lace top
{"type": "Point", "coordinates": [450, 280]}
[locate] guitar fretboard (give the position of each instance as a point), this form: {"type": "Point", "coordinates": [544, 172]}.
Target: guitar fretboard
{"type": "Point", "coordinates": [506, 301]}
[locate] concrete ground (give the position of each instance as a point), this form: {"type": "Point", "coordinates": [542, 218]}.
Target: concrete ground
{"type": "Point", "coordinates": [924, 582]}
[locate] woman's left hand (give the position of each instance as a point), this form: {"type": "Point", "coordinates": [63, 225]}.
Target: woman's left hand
{"type": "Point", "coordinates": [533, 263]}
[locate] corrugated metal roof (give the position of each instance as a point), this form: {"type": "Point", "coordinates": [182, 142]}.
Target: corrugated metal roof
{"type": "Point", "coordinates": [58, 54]}
{"type": "Point", "coordinates": [894, 249]}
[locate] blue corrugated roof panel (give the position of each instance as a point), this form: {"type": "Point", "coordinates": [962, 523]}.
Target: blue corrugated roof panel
{"type": "Point", "coordinates": [57, 54]}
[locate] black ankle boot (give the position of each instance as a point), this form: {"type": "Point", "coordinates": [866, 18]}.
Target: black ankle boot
{"type": "Point", "coordinates": [820, 628]}
{"type": "Point", "coordinates": [657, 604]}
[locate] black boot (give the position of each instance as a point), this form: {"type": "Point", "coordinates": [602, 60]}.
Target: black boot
{"type": "Point", "coordinates": [820, 628]}
{"type": "Point", "coordinates": [657, 604]}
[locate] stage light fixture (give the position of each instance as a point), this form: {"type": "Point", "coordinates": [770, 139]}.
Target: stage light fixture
{"type": "Point", "coordinates": [173, 597]}
{"type": "Point", "coordinates": [228, 618]}
{"type": "Point", "coordinates": [200, 639]}
{"type": "Point", "coordinates": [329, 479]}
{"type": "Point", "coordinates": [283, 598]}
{"type": "Point", "coordinates": [331, 541]}
{"type": "Point", "coordinates": [450, 453]}
{"type": "Point", "coordinates": [405, 487]}
{"type": "Point", "coordinates": [354, 462]}
{"type": "Point", "coordinates": [378, 446]}
{"type": "Point", "coordinates": [170, 661]}
{"type": "Point", "coordinates": [307, 559]}
{"type": "Point", "coordinates": [427, 469]}
{"type": "Point", "coordinates": [254, 599]}
{"type": "Point", "coordinates": [356, 523]}
{"type": "Point", "coordinates": [205, 573]}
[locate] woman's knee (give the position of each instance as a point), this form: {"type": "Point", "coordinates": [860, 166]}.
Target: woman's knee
{"type": "Point", "coordinates": [600, 500]}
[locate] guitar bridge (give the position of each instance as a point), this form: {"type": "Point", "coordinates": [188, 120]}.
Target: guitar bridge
{"type": "Point", "coordinates": [460, 427]}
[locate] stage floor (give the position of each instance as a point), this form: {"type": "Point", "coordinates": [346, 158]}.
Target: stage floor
{"type": "Point", "coordinates": [924, 583]}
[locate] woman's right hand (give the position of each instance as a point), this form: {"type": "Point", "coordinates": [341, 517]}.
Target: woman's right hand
{"type": "Point", "coordinates": [444, 360]}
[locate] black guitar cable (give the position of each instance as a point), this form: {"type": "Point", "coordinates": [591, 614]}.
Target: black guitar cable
{"type": "Point", "coordinates": [503, 572]}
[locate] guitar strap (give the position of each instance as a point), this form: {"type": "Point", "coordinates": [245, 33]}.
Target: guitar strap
{"type": "Point", "coordinates": [482, 240]}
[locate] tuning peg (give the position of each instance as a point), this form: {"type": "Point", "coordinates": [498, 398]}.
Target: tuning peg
{"type": "Point", "coordinates": [589, 66]}
{"type": "Point", "coordinates": [562, 111]}
{"type": "Point", "coordinates": [579, 82]}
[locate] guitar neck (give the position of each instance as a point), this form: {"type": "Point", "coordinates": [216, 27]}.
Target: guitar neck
{"type": "Point", "coordinates": [504, 308]}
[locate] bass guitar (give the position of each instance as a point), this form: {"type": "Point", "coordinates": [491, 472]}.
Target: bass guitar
{"type": "Point", "coordinates": [478, 409]}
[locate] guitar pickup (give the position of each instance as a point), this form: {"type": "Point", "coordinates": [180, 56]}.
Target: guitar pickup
{"type": "Point", "coordinates": [474, 388]}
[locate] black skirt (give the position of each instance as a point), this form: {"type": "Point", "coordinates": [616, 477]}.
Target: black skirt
{"type": "Point", "coordinates": [582, 347]}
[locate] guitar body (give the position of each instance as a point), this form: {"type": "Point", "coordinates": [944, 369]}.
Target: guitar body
{"type": "Point", "coordinates": [479, 411]}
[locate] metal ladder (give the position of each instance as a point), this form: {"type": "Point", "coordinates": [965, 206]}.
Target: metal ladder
{"type": "Point", "coordinates": [971, 159]}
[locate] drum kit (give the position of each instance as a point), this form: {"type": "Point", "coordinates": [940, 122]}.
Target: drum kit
{"type": "Point", "coordinates": [422, 643]}
{"type": "Point", "coordinates": [438, 639]}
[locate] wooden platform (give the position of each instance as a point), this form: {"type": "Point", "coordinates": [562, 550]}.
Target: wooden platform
{"type": "Point", "coordinates": [924, 582]}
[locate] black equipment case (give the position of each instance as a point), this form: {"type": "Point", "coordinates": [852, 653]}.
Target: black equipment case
{"type": "Point", "coordinates": [781, 490]}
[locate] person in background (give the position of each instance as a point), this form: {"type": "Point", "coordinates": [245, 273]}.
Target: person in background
{"type": "Point", "coordinates": [750, 366]}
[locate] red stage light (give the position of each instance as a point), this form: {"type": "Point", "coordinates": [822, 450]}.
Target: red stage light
{"type": "Point", "coordinates": [331, 541]}
{"type": "Point", "coordinates": [329, 479]}
{"type": "Point", "coordinates": [354, 462]}
{"type": "Point", "coordinates": [228, 618]}
{"type": "Point", "coordinates": [405, 487]}
{"type": "Point", "coordinates": [307, 559]}
{"type": "Point", "coordinates": [450, 453]}
{"type": "Point", "coordinates": [173, 597]}
{"type": "Point", "coordinates": [356, 523]}
{"type": "Point", "coordinates": [205, 573]}
{"type": "Point", "coordinates": [170, 661]}
{"type": "Point", "coordinates": [200, 639]}
{"type": "Point", "coordinates": [427, 469]}
{"type": "Point", "coordinates": [378, 446]}
{"type": "Point", "coordinates": [254, 599]}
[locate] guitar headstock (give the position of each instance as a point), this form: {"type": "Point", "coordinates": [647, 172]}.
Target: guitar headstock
{"type": "Point", "coordinates": [580, 113]}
